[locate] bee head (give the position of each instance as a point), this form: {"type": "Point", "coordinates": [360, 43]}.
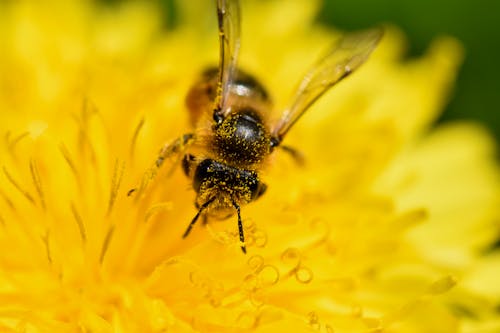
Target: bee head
{"type": "Point", "coordinates": [213, 179]}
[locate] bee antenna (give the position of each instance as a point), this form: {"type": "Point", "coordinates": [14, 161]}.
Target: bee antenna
{"type": "Point", "coordinates": [240, 227]}
{"type": "Point", "coordinates": [202, 208]}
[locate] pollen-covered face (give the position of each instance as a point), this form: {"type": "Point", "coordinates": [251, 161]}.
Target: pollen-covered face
{"type": "Point", "coordinates": [223, 185]}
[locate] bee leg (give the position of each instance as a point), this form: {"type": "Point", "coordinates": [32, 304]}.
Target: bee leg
{"type": "Point", "coordinates": [205, 219]}
{"type": "Point", "coordinates": [174, 148]}
{"type": "Point", "coordinates": [240, 228]}
{"type": "Point", "coordinates": [295, 154]}
{"type": "Point", "coordinates": [188, 164]}
{"type": "Point", "coordinates": [195, 218]}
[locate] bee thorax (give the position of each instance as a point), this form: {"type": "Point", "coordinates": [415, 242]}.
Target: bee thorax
{"type": "Point", "coordinates": [241, 139]}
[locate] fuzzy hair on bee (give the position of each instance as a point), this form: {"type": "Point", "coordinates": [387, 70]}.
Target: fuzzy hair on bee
{"type": "Point", "coordinates": [232, 137]}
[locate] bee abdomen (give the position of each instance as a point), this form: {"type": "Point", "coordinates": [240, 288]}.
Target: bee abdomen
{"type": "Point", "coordinates": [200, 97]}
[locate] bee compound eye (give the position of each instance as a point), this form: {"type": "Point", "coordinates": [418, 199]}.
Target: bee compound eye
{"type": "Point", "coordinates": [258, 190]}
{"type": "Point", "coordinates": [203, 171]}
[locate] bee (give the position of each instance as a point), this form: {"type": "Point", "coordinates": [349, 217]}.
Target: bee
{"type": "Point", "coordinates": [223, 156]}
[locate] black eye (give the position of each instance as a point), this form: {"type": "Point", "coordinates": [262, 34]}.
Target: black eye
{"type": "Point", "coordinates": [203, 171]}
{"type": "Point", "coordinates": [258, 190]}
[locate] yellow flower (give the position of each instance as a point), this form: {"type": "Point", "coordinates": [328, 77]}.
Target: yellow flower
{"type": "Point", "coordinates": [388, 227]}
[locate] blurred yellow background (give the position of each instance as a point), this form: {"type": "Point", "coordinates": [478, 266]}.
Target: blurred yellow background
{"type": "Point", "coordinates": [474, 23]}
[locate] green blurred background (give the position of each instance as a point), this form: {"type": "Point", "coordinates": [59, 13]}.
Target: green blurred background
{"type": "Point", "coordinates": [475, 23]}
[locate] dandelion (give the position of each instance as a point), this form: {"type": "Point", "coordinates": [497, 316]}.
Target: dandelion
{"type": "Point", "coordinates": [389, 226]}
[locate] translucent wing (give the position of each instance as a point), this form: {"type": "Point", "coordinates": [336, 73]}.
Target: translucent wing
{"type": "Point", "coordinates": [350, 52]}
{"type": "Point", "coordinates": [228, 15]}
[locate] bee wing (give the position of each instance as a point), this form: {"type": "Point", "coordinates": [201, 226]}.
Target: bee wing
{"type": "Point", "coordinates": [346, 55]}
{"type": "Point", "coordinates": [228, 15]}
